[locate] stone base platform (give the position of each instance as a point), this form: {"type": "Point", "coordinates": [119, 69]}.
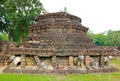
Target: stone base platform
{"type": "Point", "coordinates": [59, 71]}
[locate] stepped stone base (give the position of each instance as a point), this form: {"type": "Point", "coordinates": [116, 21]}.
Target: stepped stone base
{"type": "Point", "coordinates": [57, 43]}
{"type": "Point", "coordinates": [59, 71]}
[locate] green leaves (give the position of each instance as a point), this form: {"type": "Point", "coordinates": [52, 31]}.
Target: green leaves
{"type": "Point", "coordinates": [109, 38]}
{"type": "Point", "coordinates": [17, 16]}
{"type": "Point", "coordinates": [4, 37]}
{"type": "Point", "coordinates": [114, 37]}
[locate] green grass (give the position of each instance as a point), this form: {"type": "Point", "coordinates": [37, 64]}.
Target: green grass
{"type": "Point", "coordinates": [25, 77]}
{"type": "Point", "coordinates": [115, 63]}
{"type": "Point", "coordinates": [70, 77]}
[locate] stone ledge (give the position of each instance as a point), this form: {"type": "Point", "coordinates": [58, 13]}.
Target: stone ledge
{"type": "Point", "coordinates": [59, 71]}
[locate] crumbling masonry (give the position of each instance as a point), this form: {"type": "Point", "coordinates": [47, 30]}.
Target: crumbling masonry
{"type": "Point", "coordinates": [59, 41]}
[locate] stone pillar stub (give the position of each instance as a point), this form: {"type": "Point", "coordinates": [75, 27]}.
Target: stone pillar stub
{"type": "Point", "coordinates": [54, 62]}
{"type": "Point", "coordinates": [87, 60]}
{"type": "Point", "coordinates": [23, 61]}
{"type": "Point", "coordinates": [37, 61]}
{"type": "Point", "coordinates": [71, 61]}
{"type": "Point", "coordinates": [102, 61]}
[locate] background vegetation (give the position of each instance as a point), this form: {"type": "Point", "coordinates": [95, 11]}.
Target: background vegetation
{"type": "Point", "coordinates": [108, 38]}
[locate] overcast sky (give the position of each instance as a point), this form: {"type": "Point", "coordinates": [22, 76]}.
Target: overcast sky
{"type": "Point", "coordinates": [98, 15]}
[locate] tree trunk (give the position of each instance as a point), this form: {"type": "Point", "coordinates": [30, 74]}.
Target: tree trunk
{"type": "Point", "coordinates": [21, 31]}
{"type": "Point", "coordinates": [21, 39]}
{"type": "Point", "coordinates": [9, 37]}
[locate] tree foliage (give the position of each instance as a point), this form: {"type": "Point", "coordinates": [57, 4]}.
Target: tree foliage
{"type": "Point", "coordinates": [17, 15]}
{"type": "Point", "coordinates": [4, 36]}
{"type": "Point", "coordinates": [109, 38]}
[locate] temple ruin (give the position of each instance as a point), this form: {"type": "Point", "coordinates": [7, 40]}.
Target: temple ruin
{"type": "Point", "coordinates": [58, 41]}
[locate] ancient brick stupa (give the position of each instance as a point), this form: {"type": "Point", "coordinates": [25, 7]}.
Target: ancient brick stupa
{"type": "Point", "coordinates": [60, 41]}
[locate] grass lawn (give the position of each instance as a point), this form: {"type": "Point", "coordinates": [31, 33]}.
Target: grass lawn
{"type": "Point", "coordinates": [70, 77]}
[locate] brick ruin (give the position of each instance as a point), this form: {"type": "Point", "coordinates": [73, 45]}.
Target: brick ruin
{"type": "Point", "coordinates": [55, 42]}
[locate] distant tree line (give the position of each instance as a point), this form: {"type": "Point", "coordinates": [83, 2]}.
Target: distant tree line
{"type": "Point", "coordinates": [109, 38]}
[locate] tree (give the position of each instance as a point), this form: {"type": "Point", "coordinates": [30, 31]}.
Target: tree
{"type": "Point", "coordinates": [4, 37]}
{"type": "Point", "coordinates": [114, 38]}
{"type": "Point", "coordinates": [64, 10]}
{"type": "Point", "coordinates": [3, 24]}
{"type": "Point", "coordinates": [92, 36]}
{"type": "Point", "coordinates": [109, 38]}
{"type": "Point", "coordinates": [18, 15]}
{"type": "Point", "coordinates": [102, 40]}
{"type": "Point", "coordinates": [99, 39]}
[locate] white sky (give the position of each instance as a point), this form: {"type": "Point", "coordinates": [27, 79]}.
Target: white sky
{"type": "Point", "coordinates": [98, 15]}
